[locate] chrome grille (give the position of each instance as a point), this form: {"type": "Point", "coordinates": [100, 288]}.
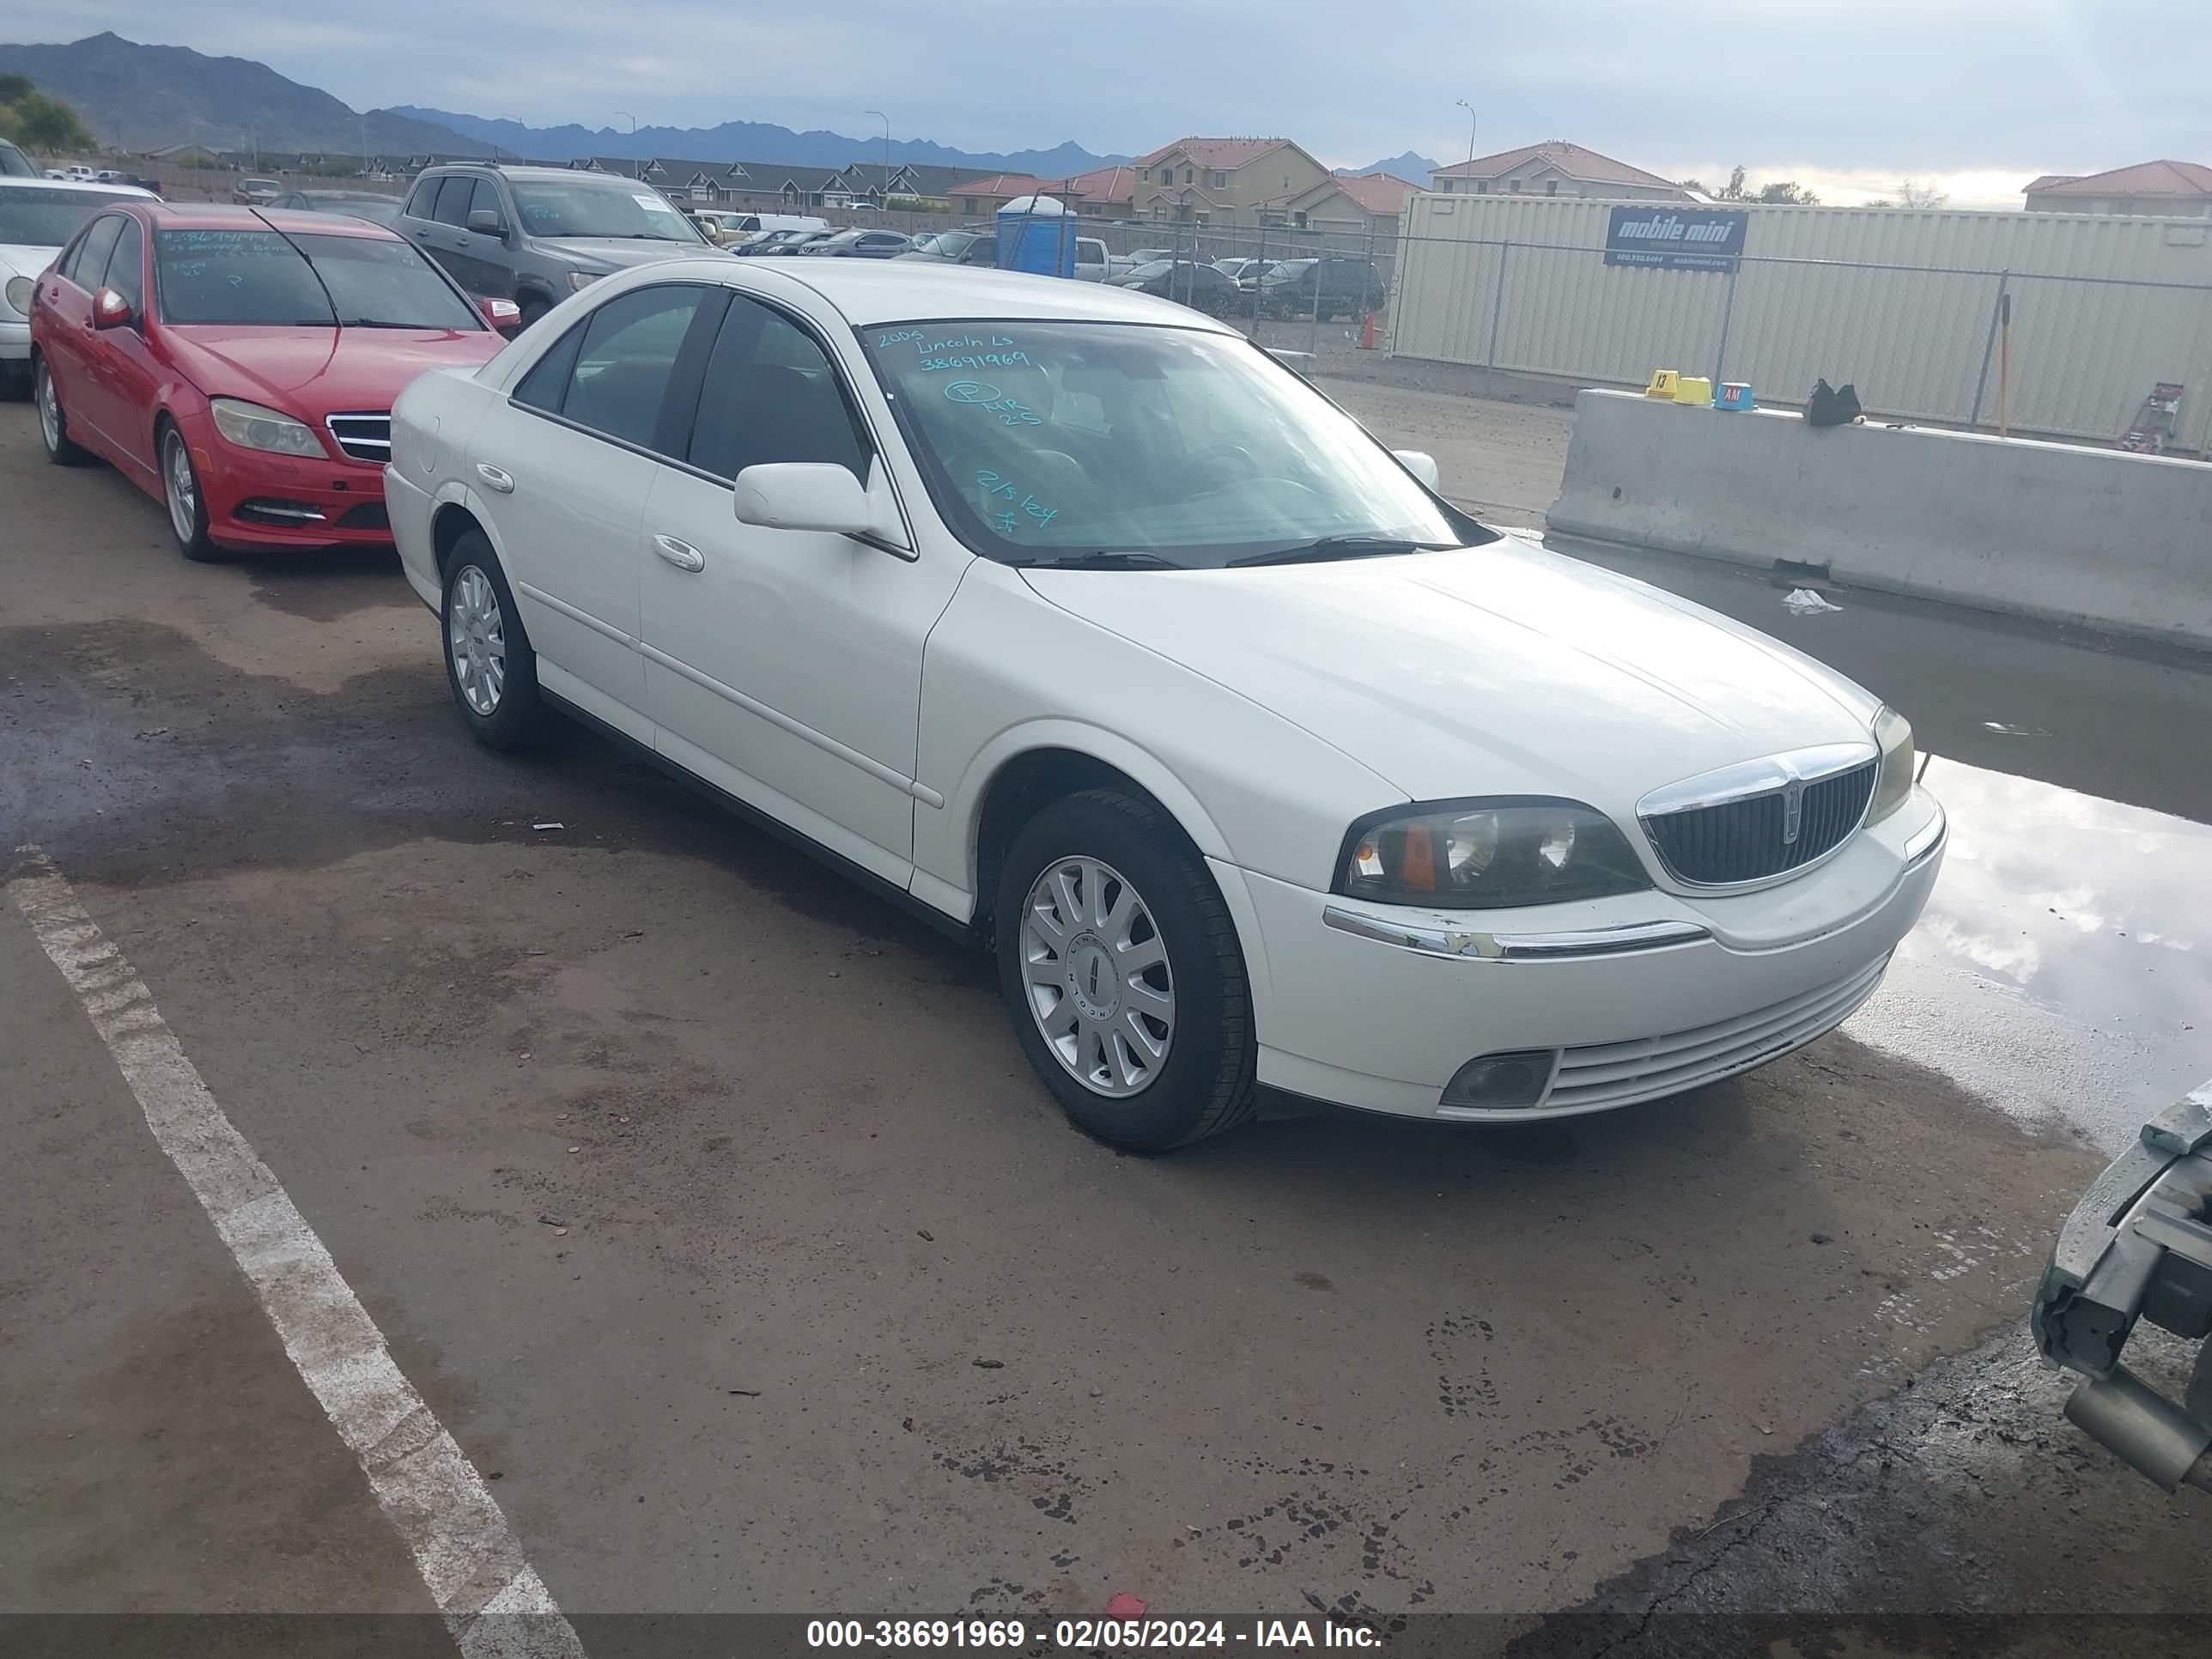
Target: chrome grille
{"type": "Point", "coordinates": [363, 437]}
{"type": "Point", "coordinates": [1761, 821]}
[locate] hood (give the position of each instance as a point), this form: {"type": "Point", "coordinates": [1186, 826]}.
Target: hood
{"type": "Point", "coordinates": [621, 252]}
{"type": "Point", "coordinates": [21, 260]}
{"type": "Point", "coordinates": [314, 372]}
{"type": "Point", "coordinates": [1502, 669]}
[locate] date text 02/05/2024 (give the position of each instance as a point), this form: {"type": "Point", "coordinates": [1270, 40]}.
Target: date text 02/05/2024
{"type": "Point", "coordinates": [1089, 1635]}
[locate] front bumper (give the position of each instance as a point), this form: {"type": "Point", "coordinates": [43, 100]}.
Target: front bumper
{"type": "Point", "coordinates": [1635, 998]}
{"type": "Point", "coordinates": [15, 346]}
{"type": "Point", "coordinates": [263, 501]}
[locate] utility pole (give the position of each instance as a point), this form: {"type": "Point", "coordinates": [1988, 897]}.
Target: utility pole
{"type": "Point", "coordinates": [1469, 108]}
{"type": "Point", "coordinates": [886, 120]}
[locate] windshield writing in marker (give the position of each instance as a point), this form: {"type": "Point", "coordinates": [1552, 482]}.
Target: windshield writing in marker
{"type": "Point", "coordinates": [1007, 505]}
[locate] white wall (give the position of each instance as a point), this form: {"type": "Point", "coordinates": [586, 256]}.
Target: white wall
{"type": "Point", "coordinates": [1911, 337]}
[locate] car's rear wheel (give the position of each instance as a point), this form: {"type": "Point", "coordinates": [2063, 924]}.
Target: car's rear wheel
{"type": "Point", "coordinates": [181, 494]}
{"type": "Point", "coordinates": [489, 662]}
{"type": "Point", "coordinates": [533, 308]}
{"type": "Point", "coordinates": [1121, 966]}
{"type": "Point", "coordinates": [53, 424]}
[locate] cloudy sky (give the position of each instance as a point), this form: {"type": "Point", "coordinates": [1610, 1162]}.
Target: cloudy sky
{"type": "Point", "coordinates": [1851, 96]}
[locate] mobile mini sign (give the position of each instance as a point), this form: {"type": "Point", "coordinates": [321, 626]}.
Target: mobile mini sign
{"type": "Point", "coordinates": [1675, 238]}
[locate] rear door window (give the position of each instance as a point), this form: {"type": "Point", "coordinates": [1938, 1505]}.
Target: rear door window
{"type": "Point", "coordinates": [625, 360]}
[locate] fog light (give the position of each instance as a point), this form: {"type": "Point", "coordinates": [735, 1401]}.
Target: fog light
{"type": "Point", "coordinates": [1495, 1082]}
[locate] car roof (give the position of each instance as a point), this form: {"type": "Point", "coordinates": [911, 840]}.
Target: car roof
{"type": "Point", "coordinates": [872, 291]}
{"type": "Point", "coordinates": [224, 215]}
{"type": "Point", "coordinates": [131, 191]}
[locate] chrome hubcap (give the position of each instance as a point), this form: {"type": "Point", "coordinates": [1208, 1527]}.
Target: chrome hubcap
{"type": "Point", "coordinates": [1097, 973]}
{"type": "Point", "coordinates": [50, 412]}
{"type": "Point", "coordinates": [184, 494]}
{"type": "Point", "coordinates": [476, 637]}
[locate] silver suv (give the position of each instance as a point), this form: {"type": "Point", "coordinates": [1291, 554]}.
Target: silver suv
{"type": "Point", "coordinates": [535, 235]}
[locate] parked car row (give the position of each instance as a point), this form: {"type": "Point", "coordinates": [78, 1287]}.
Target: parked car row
{"type": "Point", "coordinates": [852, 549]}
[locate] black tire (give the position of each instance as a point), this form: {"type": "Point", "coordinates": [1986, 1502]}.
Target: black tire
{"type": "Point", "coordinates": [533, 308]}
{"type": "Point", "coordinates": [518, 718]}
{"type": "Point", "coordinates": [1204, 1084]}
{"type": "Point", "coordinates": [53, 422]}
{"type": "Point", "coordinates": [171, 450]}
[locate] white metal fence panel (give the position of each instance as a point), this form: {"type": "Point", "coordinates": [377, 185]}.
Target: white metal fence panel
{"type": "Point", "coordinates": [1902, 302]}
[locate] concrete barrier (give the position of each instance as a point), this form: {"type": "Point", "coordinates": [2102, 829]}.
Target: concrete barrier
{"type": "Point", "coordinates": [2051, 530]}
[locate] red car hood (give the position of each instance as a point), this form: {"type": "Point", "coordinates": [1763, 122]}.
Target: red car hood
{"type": "Point", "coordinates": [313, 372]}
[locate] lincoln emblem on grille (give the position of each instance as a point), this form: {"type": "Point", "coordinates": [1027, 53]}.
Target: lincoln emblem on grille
{"type": "Point", "coordinates": [1762, 820]}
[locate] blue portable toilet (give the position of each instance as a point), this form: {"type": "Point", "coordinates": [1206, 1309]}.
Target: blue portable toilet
{"type": "Point", "coordinates": [1036, 234]}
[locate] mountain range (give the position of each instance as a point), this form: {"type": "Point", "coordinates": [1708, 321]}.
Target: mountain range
{"type": "Point", "coordinates": [1412, 167]}
{"type": "Point", "coordinates": [751, 140]}
{"type": "Point", "coordinates": [139, 97]}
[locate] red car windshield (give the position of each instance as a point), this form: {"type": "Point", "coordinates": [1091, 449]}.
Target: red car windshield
{"type": "Point", "coordinates": [260, 279]}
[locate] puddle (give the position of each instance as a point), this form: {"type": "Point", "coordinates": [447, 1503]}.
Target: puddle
{"type": "Point", "coordinates": [2064, 968]}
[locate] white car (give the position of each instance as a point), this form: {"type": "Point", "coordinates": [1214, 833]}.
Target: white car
{"type": "Point", "coordinates": [1070, 620]}
{"type": "Point", "coordinates": [37, 217]}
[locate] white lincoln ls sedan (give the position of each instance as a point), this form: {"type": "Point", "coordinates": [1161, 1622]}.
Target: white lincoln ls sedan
{"type": "Point", "coordinates": [1070, 620]}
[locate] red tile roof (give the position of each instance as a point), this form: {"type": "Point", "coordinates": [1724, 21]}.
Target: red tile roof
{"type": "Point", "coordinates": [1000, 183]}
{"type": "Point", "coordinates": [1226, 155]}
{"type": "Point", "coordinates": [1116, 184]}
{"type": "Point", "coordinates": [1583, 166]}
{"type": "Point", "coordinates": [2191, 178]}
{"type": "Point", "coordinates": [1378, 192]}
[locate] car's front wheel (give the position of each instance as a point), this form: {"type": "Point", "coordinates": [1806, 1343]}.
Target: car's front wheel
{"type": "Point", "coordinates": [489, 662]}
{"type": "Point", "coordinates": [1121, 966]}
{"type": "Point", "coordinates": [181, 494]}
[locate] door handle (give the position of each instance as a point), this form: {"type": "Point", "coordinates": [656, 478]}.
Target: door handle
{"type": "Point", "coordinates": [682, 555]}
{"type": "Point", "coordinates": [494, 479]}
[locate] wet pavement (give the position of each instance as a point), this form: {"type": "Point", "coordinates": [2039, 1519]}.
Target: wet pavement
{"type": "Point", "coordinates": [839, 1316]}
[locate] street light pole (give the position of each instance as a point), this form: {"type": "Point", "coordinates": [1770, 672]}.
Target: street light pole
{"type": "Point", "coordinates": [886, 120]}
{"type": "Point", "coordinates": [1469, 108]}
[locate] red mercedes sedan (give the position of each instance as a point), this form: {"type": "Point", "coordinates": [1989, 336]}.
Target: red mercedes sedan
{"type": "Point", "coordinates": [241, 365]}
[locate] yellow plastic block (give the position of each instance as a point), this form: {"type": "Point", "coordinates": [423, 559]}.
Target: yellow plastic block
{"type": "Point", "coordinates": [1662, 383]}
{"type": "Point", "coordinates": [1695, 389]}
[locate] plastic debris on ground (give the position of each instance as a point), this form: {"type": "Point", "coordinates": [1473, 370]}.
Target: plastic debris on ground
{"type": "Point", "coordinates": [1804, 602]}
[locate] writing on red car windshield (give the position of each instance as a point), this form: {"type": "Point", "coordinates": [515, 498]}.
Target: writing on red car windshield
{"type": "Point", "coordinates": [261, 278]}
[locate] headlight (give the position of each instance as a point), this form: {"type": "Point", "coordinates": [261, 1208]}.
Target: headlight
{"type": "Point", "coordinates": [1488, 855]}
{"type": "Point", "coordinates": [1894, 734]}
{"type": "Point", "coordinates": [580, 280]}
{"type": "Point", "coordinates": [19, 291]}
{"type": "Point", "coordinates": [252, 427]}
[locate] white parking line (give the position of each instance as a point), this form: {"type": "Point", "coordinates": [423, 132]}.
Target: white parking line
{"type": "Point", "coordinates": [491, 1598]}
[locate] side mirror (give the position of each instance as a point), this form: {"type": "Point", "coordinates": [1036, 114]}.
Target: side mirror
{"type": "Point", "coordinates": [1421, 464]}
{"type": "Point", "coordinates": [111, 310]}
{"type": "Point", "coordinates": [804, 495]}
{"type": "Point", "coordinates": [504, 315]}
{"type": "Point", "coordinates": [485, 223]}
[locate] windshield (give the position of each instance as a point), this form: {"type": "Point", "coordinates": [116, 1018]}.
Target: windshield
{"type": "Point", "coordinates": [45, 218]}
{"type": "Point", "coordinates": [14, 164]}
{"type": "Point", "coordinates": [1041, 441]}
{"type": "Point", "coordinates": [949, 243]}
{"type": "Point", "coordinates": [583, 207]}
{"type": "Point", "coordinates": [258, 278]}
